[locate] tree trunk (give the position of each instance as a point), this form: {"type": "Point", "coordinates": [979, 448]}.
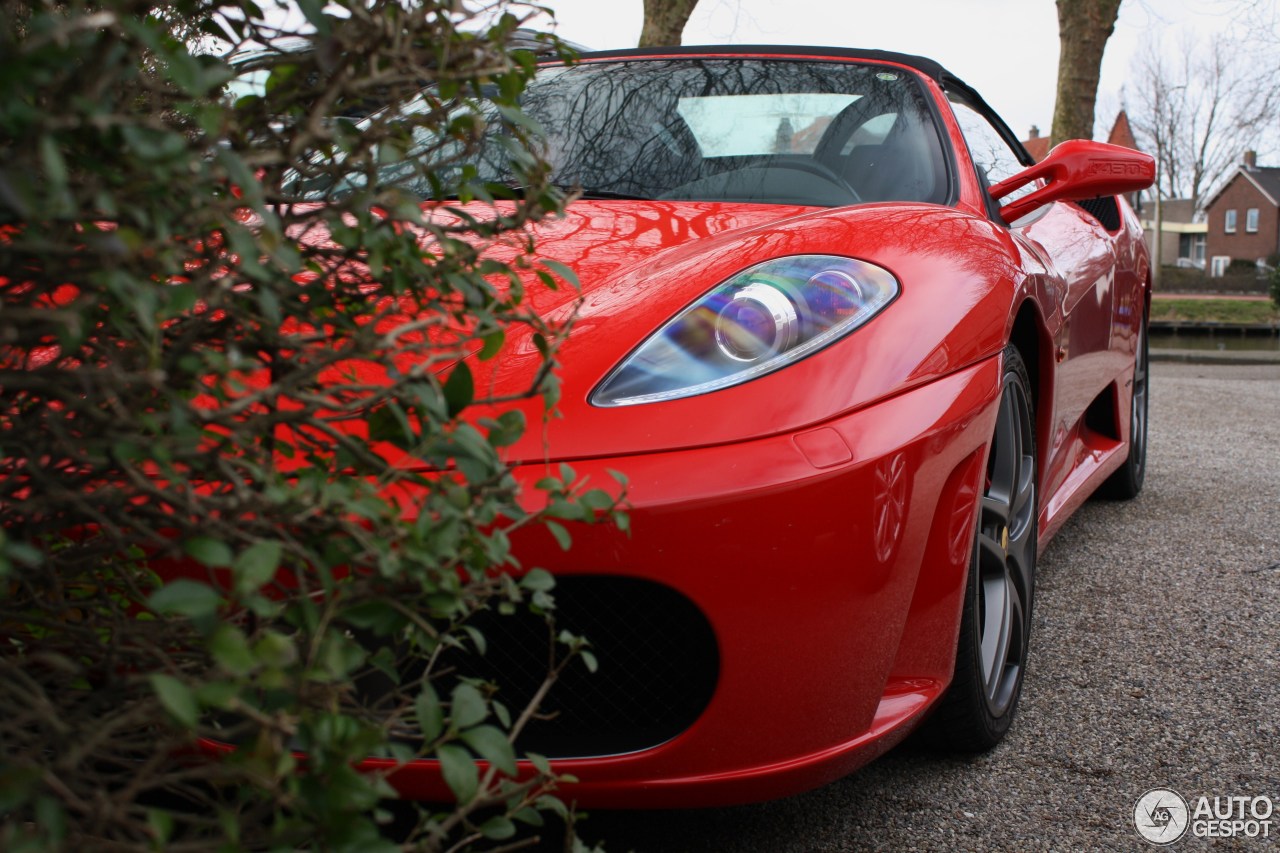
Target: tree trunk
{"type": "Point", "coordinates": [664, 21]}
{"type": "Point", "coordinates": [1083, 29]}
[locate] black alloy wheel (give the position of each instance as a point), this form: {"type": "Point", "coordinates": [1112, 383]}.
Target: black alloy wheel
{"type": "Point", "coordinates": [991, 655]}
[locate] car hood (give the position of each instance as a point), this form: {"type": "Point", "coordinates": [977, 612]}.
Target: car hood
{"type": "Point", "coordinates": [639, 263]}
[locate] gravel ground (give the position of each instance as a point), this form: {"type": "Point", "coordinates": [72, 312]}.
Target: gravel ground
{"type": "Point", "coordinates": [1155, 663]}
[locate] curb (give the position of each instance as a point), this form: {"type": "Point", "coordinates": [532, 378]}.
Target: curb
{"type": "Point", "coordinates": [1208, 356]}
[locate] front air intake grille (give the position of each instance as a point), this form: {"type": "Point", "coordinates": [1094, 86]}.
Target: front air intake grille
{"type": "Point", "coordinates": [658, 666]}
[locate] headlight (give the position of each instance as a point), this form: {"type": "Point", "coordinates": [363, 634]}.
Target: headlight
{"type": "Point", "coordinates": [762, 319]}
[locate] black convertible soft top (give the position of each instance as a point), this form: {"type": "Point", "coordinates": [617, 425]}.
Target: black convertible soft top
{"type": "Point", "coordinates": [926, 66]}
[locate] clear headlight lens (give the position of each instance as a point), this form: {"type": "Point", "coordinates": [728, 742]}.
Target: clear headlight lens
{"type": "Point", "coordinates": [758, 321]}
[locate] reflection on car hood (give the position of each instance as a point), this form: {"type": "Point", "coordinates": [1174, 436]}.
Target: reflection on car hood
{"type": "Point", "coordinates": [605, 242]}
{"type": "Point", "coordinates": [624, 255]}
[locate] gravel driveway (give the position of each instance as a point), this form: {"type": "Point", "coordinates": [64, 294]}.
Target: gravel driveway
{"type": "Point", "coordinates": [1155, 663]}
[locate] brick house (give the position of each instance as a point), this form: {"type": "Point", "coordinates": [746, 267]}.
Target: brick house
{"type": "Point", "coordinates": [1244, 216]}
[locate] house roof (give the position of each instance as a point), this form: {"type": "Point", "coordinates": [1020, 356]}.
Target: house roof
{"type": "Point", "coordinates": [1122, 133]}
{"type": "Point", "coordinates": [1265, 178]}
{"type": "Point", "coordinates": [1268, 180]}
{"type": "Point", "coordinates": [1037, 147]}
{"type": "Point", "coordinates": [1177, 210]}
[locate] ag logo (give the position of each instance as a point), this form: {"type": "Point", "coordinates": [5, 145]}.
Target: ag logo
{"type": "Point", "coordinates": [1161, 816]}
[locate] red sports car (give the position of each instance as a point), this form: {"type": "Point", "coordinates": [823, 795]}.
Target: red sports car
{"type": "Point", "coordinates": [859, 358]}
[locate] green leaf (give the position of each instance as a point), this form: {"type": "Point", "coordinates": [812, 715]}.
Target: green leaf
{"type": "Point", "coordinates": [340, 655]}
{"type": "Point", "coordinates": [590, 660]}
{"type": "Point", "coordinates": [539, 763]}
{"type": "Point", "coordinates": [596, 500]}
{"type": "Point", "coordinates": [459, 389]}
{"type": "Point", "coordinates": [562, 536]}
{"type": "Point", "coordinates": [216, 694]}
{"type": "Point", "coordinates": [507, 429]}
{"type": "Point", "coordinates": [275, 649]}
{"type": "Point", "coordinates": [390, 423]}
{"type": "Point", "coordinates": [257, 564]}
{"type": "Point", "coordinates": [492, 345]}
{"type": "Point", "coordinates": [498, 828]}
{"type": "Point", "coordinates": [492, 745]}
{"type": "Point", "coordinates": [570, 277]}
{"type": "Point", "coordinates": [468, 707]}
{"type": "Point", "coordinates": [176, 698]}
{"type": "Point", "coordinates": [500, 711]}
{"type": "Point", "coordinates": [477, 639]}
{"type": "Point", "coordinates": [459, 771]}
{"type": "Point", "coordinates": [377, 616]}
{"type": "Point", "coordinates": [279, 76]}
{"type": "Point", "coordinates": [231, 650]}
{"type": "Point", "coordinates": [429, 713]}
{"type": "Point", "coordinates": [55, 167]}
{"type": "Point", "coordinates": [552, 803]}
{"type": "Point", "coordinates": [182, 298]}
{"type": "Point", "coordinates": [538, 580]}
{"type": "Point", "coordinates": [210, 552]}
{"type": "Point", "coordinates": [185, 597]}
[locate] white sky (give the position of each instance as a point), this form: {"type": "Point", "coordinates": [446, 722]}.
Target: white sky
{"type": "Point", "coordinates": [1006, 49]}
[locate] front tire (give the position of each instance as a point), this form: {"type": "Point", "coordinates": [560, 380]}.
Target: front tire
{"type": "Point", "coordinates": [995, 626]}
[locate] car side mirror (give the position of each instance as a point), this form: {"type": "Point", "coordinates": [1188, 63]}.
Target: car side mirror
{"type": "Point", "coordinates": [1076, 170]}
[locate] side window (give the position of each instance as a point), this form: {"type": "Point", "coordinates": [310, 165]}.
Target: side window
{"type": "Point", "coordinates": [991, 154]}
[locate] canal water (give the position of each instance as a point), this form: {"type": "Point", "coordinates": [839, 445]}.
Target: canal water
{"type": "Point", "coordinates": [1215, 340]}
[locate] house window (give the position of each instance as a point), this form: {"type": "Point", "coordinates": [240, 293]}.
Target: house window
{"type": "Point", "coordinates": [1218, 267]}
{"type": "Point", "coordinates": [1251, 220]}
{"type": "Point", "coordinates": [1231, 222]}
{"type": "Point", "coordinates": [1191, 250]}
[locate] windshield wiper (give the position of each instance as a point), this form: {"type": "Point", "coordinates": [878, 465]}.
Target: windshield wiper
{"type": "Point", "coordinates": [611, 194]}
{"type": "Point", "coordinates": [517, 191]}
{"type": "Point", "coordinates": [587, 192]}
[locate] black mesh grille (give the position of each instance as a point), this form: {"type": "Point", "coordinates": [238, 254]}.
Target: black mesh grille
{"type": "Point", "coordinates": [658, 665]}
{"type": "Point", "coordinates": [1104, 209]}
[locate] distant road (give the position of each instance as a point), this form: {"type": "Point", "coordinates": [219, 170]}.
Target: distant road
{"type": "Point", "coordinates": [1155, 663]}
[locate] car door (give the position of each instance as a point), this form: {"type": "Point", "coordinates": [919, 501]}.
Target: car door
{"type": "Point", "coordinates": [1074, 261]}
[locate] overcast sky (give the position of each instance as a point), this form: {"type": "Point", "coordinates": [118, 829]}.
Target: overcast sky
{"type": "Point", "coordinates": [1006, 49]}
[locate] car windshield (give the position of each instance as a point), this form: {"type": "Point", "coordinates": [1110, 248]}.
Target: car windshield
{"type": "Point", "coordinates": [782, 131]}
{"type": "Point", "coordinates": [752, 130]}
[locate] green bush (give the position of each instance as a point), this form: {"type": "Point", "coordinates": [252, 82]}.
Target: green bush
{"type": "Point", "coordinates": [204, 530]}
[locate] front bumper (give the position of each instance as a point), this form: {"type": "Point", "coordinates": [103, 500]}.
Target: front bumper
{"type": "Point", "coordinates": [829, 564]}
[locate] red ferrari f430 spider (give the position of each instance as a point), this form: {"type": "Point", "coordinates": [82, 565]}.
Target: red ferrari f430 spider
{"type": "Point", "coordinates": [859, 357]}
